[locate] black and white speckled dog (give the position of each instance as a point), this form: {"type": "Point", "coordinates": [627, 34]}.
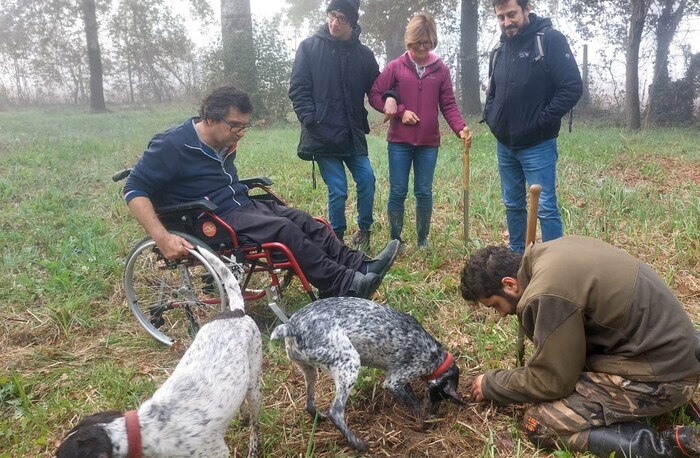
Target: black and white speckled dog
{"type": "Point", "coordinates": [188, 415]}
{"type": "Point", "coordinates": [340, 334]}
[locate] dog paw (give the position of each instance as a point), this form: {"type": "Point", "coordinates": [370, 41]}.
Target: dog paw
{"type": "Point", "coordinates": [359, 445]}
{"type": "Point", "coordinates": [316, 415]}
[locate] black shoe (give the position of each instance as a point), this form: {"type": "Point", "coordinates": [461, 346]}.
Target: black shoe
{"type": "Point", "coordinates": [382, 263]}
{"type": "Point", "coordinates": [364, 285]}
{"type": "Point", "coordinates": [684, 438]}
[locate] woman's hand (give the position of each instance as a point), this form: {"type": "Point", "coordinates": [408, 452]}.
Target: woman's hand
{"type": "Point", "coordinates": [466, 135]}
{"type": "Point", "coordinates": [390, 108]}
{"type": "Point", "coordinates": [410, 118]}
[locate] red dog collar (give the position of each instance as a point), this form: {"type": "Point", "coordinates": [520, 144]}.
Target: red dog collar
{"type": "Point", "coordinates": [133, 433]}
{"type": "Point", "coordinates": [449, 360]}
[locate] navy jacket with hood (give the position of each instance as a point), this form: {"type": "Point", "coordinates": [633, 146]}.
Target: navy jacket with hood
{"type": "Point", "coordinates": [527, 97]}
{"type": "Point", "coordinates": [327, 87]}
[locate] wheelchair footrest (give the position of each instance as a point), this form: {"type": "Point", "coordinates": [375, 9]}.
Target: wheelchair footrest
{"type": "Point", "coordinates": [272, 300]}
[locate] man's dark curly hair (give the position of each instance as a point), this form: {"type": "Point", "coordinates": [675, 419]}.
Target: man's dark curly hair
{"type": "Point", "coordinates": [217, 104]}
{"type": "Point", "coordinates": [521, 3]}
{"type": "Point", "coordinates": [483, 272]}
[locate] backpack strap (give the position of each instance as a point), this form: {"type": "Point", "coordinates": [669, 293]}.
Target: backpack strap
{"type": "Point", "coordinates": [540, 48]}
{"type": "Point", "coordinates": [492, 66]}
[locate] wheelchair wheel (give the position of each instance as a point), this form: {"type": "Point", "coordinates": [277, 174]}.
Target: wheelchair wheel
{"type": "Point", "coordinates": [171, 300]}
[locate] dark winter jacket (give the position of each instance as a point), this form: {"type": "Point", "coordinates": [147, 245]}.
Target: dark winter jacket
{"type": "Point", "coordinates": [423, 96]}
{"type": "Point", "coordinates": [327, 87]}
{"type": "Point", "coordinates": [528, 97]}
{"type": "Point", "coordinates": [177, 167]}
{"type": "Point", "coordinates": [588, 306]}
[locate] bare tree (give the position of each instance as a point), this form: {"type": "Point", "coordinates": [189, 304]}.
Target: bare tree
{"type": "Point", "coordinates": [97, 97]}
{"type": "Point", "coordinates": [666, 26]}
{"type": "Point", "coordinates": [238, 45]}
{"type": "Point", "coordinates": [634, 38]}
{"type": "Point", "coordinates": [469, 57]}
{"type": "Point", "coordinates": [153, 54]}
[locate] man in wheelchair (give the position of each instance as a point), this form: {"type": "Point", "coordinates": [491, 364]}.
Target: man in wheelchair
{"type": "Point", "coordinates": [195, 160]}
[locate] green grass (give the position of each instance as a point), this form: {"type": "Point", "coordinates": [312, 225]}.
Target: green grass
{"type": "Point", "coordinates": [70, 345]}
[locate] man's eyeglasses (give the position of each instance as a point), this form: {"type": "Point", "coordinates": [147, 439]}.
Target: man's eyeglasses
{"type": "Point", "coordinates": [342, 20]}
{"type": "Point", "coordinates": [237, 128]}
{"type": "Point", "coordinates": [423, 44]}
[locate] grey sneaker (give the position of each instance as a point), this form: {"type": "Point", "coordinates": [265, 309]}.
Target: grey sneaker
{"type": "Point", "coordinates": [360, 240]}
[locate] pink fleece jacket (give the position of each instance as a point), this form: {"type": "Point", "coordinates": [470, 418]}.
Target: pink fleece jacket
{"type": "Point", "coordinates": [423, 96]}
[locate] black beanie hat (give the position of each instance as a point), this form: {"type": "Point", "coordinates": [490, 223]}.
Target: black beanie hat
{"type": "Point", "coordinates": [350, 8]}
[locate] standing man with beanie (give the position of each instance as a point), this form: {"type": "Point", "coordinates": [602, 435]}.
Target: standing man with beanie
{"type": "Point", "coordinates": [533, 82]}
{"type": "Point", "coordinates": [332, 73]}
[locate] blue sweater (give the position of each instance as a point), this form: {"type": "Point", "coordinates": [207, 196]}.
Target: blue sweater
{"type": "Point", "coordinates": [178, 167]}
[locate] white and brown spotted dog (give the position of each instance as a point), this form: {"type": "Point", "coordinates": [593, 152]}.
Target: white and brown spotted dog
{"type": "Point", "coordinates": [189, 414]}
{"type": "Point", "coordinates": [340, 334]}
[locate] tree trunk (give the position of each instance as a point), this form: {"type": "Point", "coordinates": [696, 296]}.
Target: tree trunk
{"type": "Point", "coordinates": [238, 45]}
{"type": "Point", "coordinates": [634, 39]}
{"type": "Point", "coordinates": [97, 96]}
{"type": "Point", "coordinates": [394, 31]}
{"type": "Point", "coordinates": [585, 102]}
{"type": "Point", "coordinates": [469, 58]}
{"type": "Point", "coordinates": [665, 31]}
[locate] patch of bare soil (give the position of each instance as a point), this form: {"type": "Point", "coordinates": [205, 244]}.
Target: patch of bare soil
{"type": "Point", "coordinates": [655, 171]}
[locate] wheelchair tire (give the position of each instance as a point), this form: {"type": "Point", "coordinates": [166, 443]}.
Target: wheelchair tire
{"type": "Point", "coordinates": [171, 300]}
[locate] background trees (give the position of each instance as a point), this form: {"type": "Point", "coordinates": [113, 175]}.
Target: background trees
{"type": "Point", "coordinates": [65, 50]}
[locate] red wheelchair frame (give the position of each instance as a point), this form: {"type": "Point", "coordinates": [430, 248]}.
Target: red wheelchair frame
{"type": "Point", "coordinates": [196, 292]}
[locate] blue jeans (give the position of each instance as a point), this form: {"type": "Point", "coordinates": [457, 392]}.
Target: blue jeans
{"type": "Point", "coordinates": [423, 158]}
{"type": "Point", "coordinates": [332, 170]}
{"type": "Point", "coordinates": [534, 165]}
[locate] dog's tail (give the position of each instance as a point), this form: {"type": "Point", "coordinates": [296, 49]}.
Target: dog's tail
{"type": "Point", "coordinates": [282, 331]}
{"type": "Point", "coordinates": [233, 289]}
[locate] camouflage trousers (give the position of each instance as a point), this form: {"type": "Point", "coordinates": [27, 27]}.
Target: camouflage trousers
{"type": "Point", "coordinates": [601, 400]}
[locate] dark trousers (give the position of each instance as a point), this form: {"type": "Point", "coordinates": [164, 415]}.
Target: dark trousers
{"type": "Point", "coordinates": [328, 264]}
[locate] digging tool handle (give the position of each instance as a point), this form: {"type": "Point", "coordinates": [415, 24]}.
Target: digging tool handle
{"type": "Point", "coordinates": [465, 184]}
{"type": "Point", "coordinates": [530, 236]}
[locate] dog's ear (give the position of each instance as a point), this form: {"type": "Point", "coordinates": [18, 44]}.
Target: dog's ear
{"type": "Point", "coordinates": [88, 439]}
{"type": "Point", "coordinates": [444, 387]}
{"type": "Point", "coordinates": [90, 442]}
{"type": "Point", "coordinates": [450, 389]}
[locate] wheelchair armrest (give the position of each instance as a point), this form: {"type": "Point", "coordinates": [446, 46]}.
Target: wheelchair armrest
{"type": "Point", "coordinates": [201, 204]}
{"type": "Point", "coordinates": [120, 175]}
{"type": "Point", "coordinates": [256, 182]}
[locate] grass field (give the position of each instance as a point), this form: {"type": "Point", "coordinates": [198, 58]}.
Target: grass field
{"type": "Point", "coordinates": [70, 346]}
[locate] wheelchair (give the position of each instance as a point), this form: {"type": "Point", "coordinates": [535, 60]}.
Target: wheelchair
{"type": "Point", "coordinates": [172, 299]}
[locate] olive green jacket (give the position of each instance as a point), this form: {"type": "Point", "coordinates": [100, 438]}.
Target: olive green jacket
{"type": "Point", "coordinates": [588, 306]}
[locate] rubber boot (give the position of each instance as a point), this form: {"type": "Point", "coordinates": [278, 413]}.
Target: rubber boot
{"type": "Point", "coordinates": [395, 224]}
{"type": "Point", "coordinates": [423, 216]}
{"type": "Point", "coordinates": [360, 240]}
{"type": "Point", "coordinates": [637, 440]}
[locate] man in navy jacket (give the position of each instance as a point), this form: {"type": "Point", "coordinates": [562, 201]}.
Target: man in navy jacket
{"type": "Point", "coordinates": [534, 81]}
{"type": "Point", "coordinates": [195, 160]}
{"type": "Point", "coordinates": [332, 73]}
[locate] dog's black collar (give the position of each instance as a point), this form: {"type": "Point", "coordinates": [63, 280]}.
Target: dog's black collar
{"type": "Point", "coordinates": [133, 434]}
{"type": "Point", "coordinates": [446, 364]}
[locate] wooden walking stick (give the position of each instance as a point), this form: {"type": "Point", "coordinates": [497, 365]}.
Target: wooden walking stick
{"type": "Point", "coordinates": [530, 235]}
{"type": "Point", "coordinates": [531, 232]}
{"type": "Point", "coordinates": [465, 182]}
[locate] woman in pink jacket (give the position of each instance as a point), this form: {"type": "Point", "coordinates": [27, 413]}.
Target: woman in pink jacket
{"type": "Point", "coordinates": [422, 83]}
